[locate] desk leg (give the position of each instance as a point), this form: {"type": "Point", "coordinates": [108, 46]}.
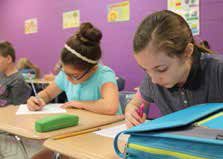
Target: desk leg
{"type": "Point", "coordinates": [22, 146]}
{"type": "Point", "coordinates": [57, 155]}
{"type": "Point", "coordinates": [19, 142]}
{"type": "Point", "coordinates": [1, 156]}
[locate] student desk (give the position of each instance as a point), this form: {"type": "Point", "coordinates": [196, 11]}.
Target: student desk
{"type": "Point", "coordinates": [86, 146]}
{"type": "Point", "coordinates": [41, 84]}
{"type": "Point", "coordinates": [39, 81]}
{"type": "Point", "coordinates": [23, 125]}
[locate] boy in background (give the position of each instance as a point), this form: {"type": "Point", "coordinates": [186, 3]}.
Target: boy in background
{"type": "Point", "coordinates": [13, 88]}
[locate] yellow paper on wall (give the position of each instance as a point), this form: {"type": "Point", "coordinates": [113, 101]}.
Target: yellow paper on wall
{"type": "Point", "coordinates": [118, 12]}
{"type": "Point", "coordinates": [71, 19]}
{"type": "Point", "coordinates": [31, 26]}
{"type": "Point", "coordinates": [189, 10]}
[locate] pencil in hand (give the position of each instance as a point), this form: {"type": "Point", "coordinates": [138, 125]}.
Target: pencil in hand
{"type": "Point", "coordinates": [140, 110]}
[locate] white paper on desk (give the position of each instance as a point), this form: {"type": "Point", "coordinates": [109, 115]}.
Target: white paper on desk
{"type": "Point", "coordinates": [48, 109]}
{"type": "Point", "coordinates": [111, 132]}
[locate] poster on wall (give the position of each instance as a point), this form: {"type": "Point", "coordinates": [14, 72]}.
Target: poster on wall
{"type": "Point", "coordinates": [118, 12]}
{"type": "Point", "coordinates": [189, 9]}
{"type": "Point", "coordinates": [71, 19]}
{"type": "Point", "coordinates": [31, 26]}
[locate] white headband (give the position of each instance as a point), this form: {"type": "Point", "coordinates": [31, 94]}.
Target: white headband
{"type": "Point", "coordinates": [79, 55]}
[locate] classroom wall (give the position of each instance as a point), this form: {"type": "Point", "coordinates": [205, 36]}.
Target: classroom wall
{"type": "Point", "coordinates": [44, 47]}
{"type": "Point", "coordinates": [212, 23]}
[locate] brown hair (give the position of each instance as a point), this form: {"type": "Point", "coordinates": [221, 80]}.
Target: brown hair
{"type": "Point", "coordinates": [6, 49]}
{"type": "Point", "coordinates": [167, 31]}
{"type": "Point", "coordinates": [24, 63]}
{"type": "Point", "coordinates": [86, 41]}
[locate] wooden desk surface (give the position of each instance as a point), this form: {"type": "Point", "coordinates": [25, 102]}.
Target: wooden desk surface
{"type": "Point", "coordinates": [86, 146]}
{"type": "Point", "coordinates": [23, 125]}
{"type": "Point", "coordinates": [39, 81]}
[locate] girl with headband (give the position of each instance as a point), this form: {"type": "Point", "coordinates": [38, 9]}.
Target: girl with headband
{"type": "Point", "coordinates": [87, 84]}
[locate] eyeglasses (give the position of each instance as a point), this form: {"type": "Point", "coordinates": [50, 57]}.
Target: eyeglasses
{"type": "Point", "coordinates": [76, 78]}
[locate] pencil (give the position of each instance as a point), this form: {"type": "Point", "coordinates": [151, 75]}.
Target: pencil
{"type": "Point", "coordinates": [33, 87]}
{"type": "Point", "coordinates": [76, 133]}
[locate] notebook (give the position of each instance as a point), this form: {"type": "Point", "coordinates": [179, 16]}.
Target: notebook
{"type": "Point", "coordinates": [48, 109]}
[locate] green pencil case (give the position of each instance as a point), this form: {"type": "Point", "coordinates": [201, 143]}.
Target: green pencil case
{"type": "Point", "coordinates": [56, 122]}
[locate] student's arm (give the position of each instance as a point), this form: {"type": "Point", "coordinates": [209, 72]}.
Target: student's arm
{"type": "Point", "coordinates": [19, 92]}
{"type": "Point", "coordinates": [108, 104]}
{"type": "Point", "coordinates": [49, 77]}
{"type": "Point", "coordinates": [131, 116]}
{"type": "Point", "coordinates": [45, 96]}
{"type": "Point", "coordinates": [145, 95]}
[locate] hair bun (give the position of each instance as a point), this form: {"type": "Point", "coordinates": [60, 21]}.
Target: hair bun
{"type": "Point", "coordinates": [90, 33]}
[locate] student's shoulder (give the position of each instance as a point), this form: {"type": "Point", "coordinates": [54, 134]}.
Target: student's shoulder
{"type": "Point", "coordinates": [18, 76]}
{"type": "Point", "coordinates": [16, 79]}
{"type": "Point", "coordinates": [61, 78]}
{"type": "Point", "coordinates": [147, 82]}
{"type": "Point", "coordinates": [105, 73]}
{"type": "Point", "coordinates": [212, 62]}
{"type": "Point", "coordinates": [105, 70]}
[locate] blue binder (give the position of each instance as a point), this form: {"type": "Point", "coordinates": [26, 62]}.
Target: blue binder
{"type": "Point", "coordinates": [192, 133]}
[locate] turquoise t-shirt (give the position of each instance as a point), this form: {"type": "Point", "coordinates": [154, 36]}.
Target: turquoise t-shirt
{"type": "Point", "coordinates": [89, 89]}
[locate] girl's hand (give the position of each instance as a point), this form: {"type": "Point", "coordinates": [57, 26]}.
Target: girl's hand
{"type": "Point", "coordinates": [34, 103]}
{"type": "Point", "coordinates": [132, 117]}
